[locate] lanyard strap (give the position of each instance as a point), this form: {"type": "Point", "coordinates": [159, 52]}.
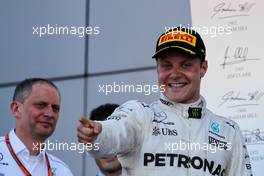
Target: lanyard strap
{"type": "Point", "coordinates": [21, 166]}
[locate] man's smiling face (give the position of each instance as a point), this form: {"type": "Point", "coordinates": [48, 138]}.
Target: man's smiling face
{"type": "Point", "coordinates": [181, 76]}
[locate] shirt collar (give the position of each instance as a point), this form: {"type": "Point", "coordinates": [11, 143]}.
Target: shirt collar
{"type": "Point", "coordinates": [100, 173]}
{"type": "Point", "coordinates": [16, 143]}
{"type": "Point", "coordinates": [19, 147]}
{"type": "Point", "coordinates": [183, 109]}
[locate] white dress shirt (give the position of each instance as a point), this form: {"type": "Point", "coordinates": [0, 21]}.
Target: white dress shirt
{"type": "Point", "coordinates": [98, 174]}
{"type": "Point", "coordinates": [36, 165]}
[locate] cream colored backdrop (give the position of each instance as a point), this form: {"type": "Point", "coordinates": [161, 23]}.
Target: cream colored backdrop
{"type": "Point", "coordinates": [234, 84]}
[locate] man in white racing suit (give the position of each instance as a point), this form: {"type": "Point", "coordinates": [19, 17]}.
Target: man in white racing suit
{"type": "Point", "coordinates": [176, 135]}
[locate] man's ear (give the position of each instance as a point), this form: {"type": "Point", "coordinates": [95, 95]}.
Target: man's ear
{"type": "Point", "coordinates": [15, 107]}
{"type": "Point", "coordinates": [204, 66]}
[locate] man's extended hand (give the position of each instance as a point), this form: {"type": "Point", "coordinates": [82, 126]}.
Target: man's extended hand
{"type": "Point", "coordinates": [88, 130]}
